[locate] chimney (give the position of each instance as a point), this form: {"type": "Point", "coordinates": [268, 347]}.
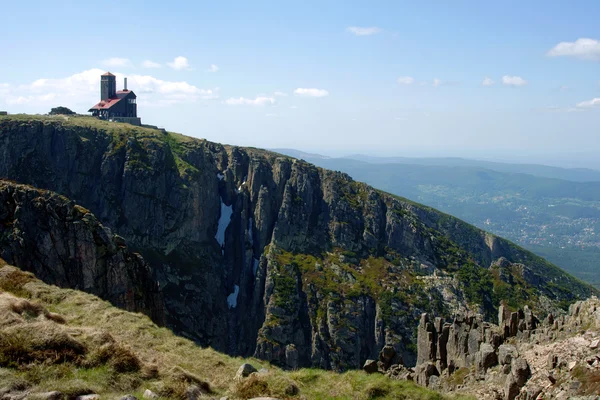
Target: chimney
{"type": "Point", "coordinates": [125, 84]}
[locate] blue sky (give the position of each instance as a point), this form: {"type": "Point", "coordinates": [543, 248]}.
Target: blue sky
{"type": "Point", "coordinates": [336, 77]}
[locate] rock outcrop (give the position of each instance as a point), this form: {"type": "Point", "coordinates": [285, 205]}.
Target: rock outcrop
{"type": "Point", "coordinates": [258, 254]}
{"type": "Point", "coordinates": [556, 358]}
{"type": "Point", "coordinates": [64, 243]}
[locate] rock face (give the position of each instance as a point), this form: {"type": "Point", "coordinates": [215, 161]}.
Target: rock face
{"type": "Point", "coordinates": [556, 358]}
{"type": "Point", "coordinates": [253, 253]}
{"type": "Point", "coordinates": [65, 244]}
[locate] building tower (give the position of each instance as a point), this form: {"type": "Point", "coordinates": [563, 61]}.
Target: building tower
{"type": "Point", "coordinates": [108, 86]}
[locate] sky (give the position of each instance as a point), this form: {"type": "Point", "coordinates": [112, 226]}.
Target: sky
{"type": "Point", "coordinates": [510, 80]}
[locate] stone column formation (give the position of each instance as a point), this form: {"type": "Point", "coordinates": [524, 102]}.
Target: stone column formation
{"type": "Point", "coordinates": [467, 341]}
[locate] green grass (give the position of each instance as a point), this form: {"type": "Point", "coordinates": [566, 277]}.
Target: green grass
{"type": "Point", "coordinates": [162, 362]}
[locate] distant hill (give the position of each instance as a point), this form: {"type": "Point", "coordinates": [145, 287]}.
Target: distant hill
{"type": "Point", "coordinates": [544, 171]}
{"type": "Point", "coordinates": [300, 154]}
{"type": "Point", "coordinates": [557, 218]}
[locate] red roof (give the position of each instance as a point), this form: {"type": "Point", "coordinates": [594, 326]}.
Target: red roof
{"type": "Point", "coordinates": [105, 104]}
{"type": "Point", "coordinates": [107, 74]}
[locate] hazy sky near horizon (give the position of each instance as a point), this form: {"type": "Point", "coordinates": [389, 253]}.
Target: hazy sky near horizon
{"type": "Point", "coordinates": [511, 80]}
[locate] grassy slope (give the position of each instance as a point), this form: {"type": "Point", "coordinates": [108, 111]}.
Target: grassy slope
{"type": "Point", "coordinates": [89, 318]}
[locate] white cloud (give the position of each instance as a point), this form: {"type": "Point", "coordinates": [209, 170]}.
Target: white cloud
{"type": "Point", "coordinates": [293, 107]}
{"type": "Point", "coordinates": [213, 68]}
{"type": "Point", "coordinates": [150, 64]}
{"type": "Point", "coordinates": [167, 92]}
{"type": "Point", "coordinates": [179, 63]}
{"type": "Point", "coordinates": [117, 62]}
{"type": "Point", "coordinates": [363, 31]}
{"type": "Point", "coordinates": [595, 102]}
{"type": "Point", "coordinates": [406, 80]}
{"type": "Point", "coordinates": [311, 92]}
{"type": "Point", "coordinates": [258, 101]}
{"type": "Point", "coordinates": [4, 88]}
{"type": "Point", "coordinates": [82, 90]}
{"type": "Point", "coordinates": [583, 48]}
{"type": "Point", "coordinates": [513, 81]}
{"type": "Point", "coordinates": [279, 94]}
{"type": "Point", "coordinates": [436, 82]}
{"type": "Point", "coordinates": [488, 82]}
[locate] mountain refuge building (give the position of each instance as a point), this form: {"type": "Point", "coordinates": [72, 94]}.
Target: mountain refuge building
{"type": "Point", "coordinates": [120, 106]}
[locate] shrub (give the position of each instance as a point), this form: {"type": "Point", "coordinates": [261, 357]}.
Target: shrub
{"type": "Point", "coordinates": [60, 110]}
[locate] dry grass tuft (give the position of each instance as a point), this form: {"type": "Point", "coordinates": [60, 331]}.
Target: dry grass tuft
{"type": "Point", "coordinates": [122, 359]}
{"type": "Point", "coordinates": [149, 371]}
{"type": "Point", "coordinates": [13, 279]}
{"type": "Point", "coordinates": [59, 319]}
{"type": "Point", "coordinates": [590, 380]}
{"type": "Point", "coordinates": [253, 386]}
{"type": "Point", "coordinates": [22, 306]}
{"type": "Point", "coordinates": [40, 342]}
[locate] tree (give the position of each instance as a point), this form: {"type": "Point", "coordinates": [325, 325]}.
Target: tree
{"type": "Point", "coordinates": [60, 110]}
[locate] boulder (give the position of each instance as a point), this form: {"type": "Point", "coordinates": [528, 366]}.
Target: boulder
{"type": "Point", "coordinates": [531, 321]}
{"type": "Point", "coordinates": [264, 398]}
{"type": "Point", "coordinates": [149, 394]}
{"type": "Point", "coordinates": [54, 395]}
{"type": "Point", "coordinates": [503, 315]}
{"type": "Point", "coordinates": [552, 361]}
{"type": "Point", "coordinates": [387, 356]}
{"type": "Point", "coordinates": [92, 396]}
{"type": "Point", "coordinates": [520, 370]}
{"type": "Point", "coordinates": [426, 340]}
{"type": "Point", "coordinates": [425, 371]}
{"type": "Point", "coordinates": [533, 392]}
{"type": "Point", "coordinates": [506, 353]}
{"type": "Point", "coordinates": [486, 357]}
{"type": "Point", "coordinates": [514, 324]}
{"type": "Point", "coordinates": [595, 344]}
{"type": "Point", "coordinates": [128, 397]}
{"type": "Point", "coordinates": [291, 356]}
{"type": "Point", "coordinates": [194, 392]}
{"type": "Point", "coordinates": [370, 366]}
{"type": "Point", "coordinates": [244, 370]}
{"type": "Point", "coordinates": [511, 388]}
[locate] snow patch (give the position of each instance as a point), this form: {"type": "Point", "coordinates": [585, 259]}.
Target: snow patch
{"type": "Point", "coordinates": [239, 189]}
{"type": "Point", "coordinates": [232, 298]}
{"type": "Point", "coordinates": [220, 176]}
{"type": "Point", "coordinates": [224, 220]}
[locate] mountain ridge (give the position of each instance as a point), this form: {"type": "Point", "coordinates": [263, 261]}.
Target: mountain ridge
{"type": "Point", "coordinates": [540, 170]}
{"type": "Point", "coordinates": [313, 268]}
{"type": "Point", "coordinates": [551, 216]}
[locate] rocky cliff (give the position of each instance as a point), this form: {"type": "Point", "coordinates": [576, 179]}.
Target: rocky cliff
{"type": "Point", "coordinates": [522, 357]}
{"type": "Point", "coordinates": [257, 253]}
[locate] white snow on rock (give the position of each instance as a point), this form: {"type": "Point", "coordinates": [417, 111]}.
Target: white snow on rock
{"type": "Point", "coordinates": [232, 298]}
{"type": "Point", "coordinates": [220, 176]}
{"type": "Point", "coordinates": [224, 220]}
